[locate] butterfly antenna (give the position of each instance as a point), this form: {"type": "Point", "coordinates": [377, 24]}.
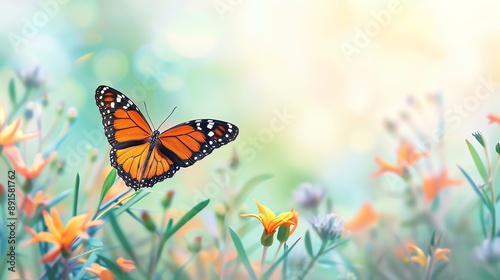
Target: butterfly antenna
{"type": "Point", "coordinates": [147, 113]}
{"type": "Point", "coordinates": [168, 116]}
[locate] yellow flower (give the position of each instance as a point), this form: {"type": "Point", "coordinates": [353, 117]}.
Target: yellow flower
{"type": "Point", "coordinates": [11, 134]}
{"type": "Point", "coordinates": [124, 264]}
{"type": "Point", "coordinates": [269, 220]}
{"type": "Point", "coordinates": [59, 235]}
{"type": "Point", "coordinates": [422, 260]}
{"type": "Point", "coordinates": [16, 158]}
{"type": "Point", "coordinates": [102, 272]}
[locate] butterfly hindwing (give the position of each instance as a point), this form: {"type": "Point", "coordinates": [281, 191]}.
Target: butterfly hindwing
{"type": "Point", "coordinates": [143, 157]}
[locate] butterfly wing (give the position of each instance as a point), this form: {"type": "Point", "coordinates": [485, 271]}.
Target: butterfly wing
{"type": "Point", "coordinates": [129, 135]}
{"type": "Point", "coordinates": [191, 141]}
{"type": "Point", "coordinates": [138, 163]}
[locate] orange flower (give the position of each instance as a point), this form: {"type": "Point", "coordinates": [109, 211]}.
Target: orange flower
{"type": "Point", "coordinates": [11, 134]}
{"type": "Point", "coordinates": [407, 156]}
{"type": "Point", "coordinates": [493, 118]}
{"type": "Point", "coordinates": [15, 157]}
{"type": "Point", "coordinates": [31, 205]}
{"type": "Point", "coordinates": [431, 186]}
{"type": "Point", "coordinates": [124, 264]}
{"type": "Point", "coordinates": [102, 272]}
{"type": "Point", "coordinates": [269, 220]}
{"type": "Point", "coordinates": [59, 235]}
{"type": "Point", "coordinates": [293, 222]}
{"type": "Point", "coordinates": [422, 260]}
{"type": "Point", "coordinates": [365, 218]}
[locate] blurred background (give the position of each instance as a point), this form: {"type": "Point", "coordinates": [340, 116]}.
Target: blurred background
{"type": "Point", "coordinates": [316, 88]}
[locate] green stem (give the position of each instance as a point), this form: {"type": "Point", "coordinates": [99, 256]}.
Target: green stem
{"type": "Point", "coordinates": [263, 260]}
{"type": "Point", "coordinates": [18, 106]}
{"type": "Point", "coordinates": [277, 251]}
{"type": "Point", "coordinates": [312, 262]}
{"type": "Point", "coordinates": [492, 189]}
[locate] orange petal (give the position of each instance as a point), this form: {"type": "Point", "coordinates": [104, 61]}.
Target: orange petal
{"type": "Point", "coordinates": [441, 253]}
{"type": "Point", "coordinates": [493, 118]}
{"type": "Point", "coordinates": [365, 218]}
{"type": "Point", "coordinates": [126, 265]}
{"type": "Point", "coordinates": [385, 166]}
{"type": "Point", "coordinates": [50, 224]}
{"type": "Point", "coordinates": [431, 186]}
{"type": "Point", "coordinates": [420, 258]}
{"type": "Point", "coordinates": [52, 254]}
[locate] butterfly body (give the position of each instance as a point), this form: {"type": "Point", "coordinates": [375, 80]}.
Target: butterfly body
{"type": "Point", "coordinates": [143, 156]}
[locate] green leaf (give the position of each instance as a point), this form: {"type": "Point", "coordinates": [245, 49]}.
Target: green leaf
{"type": "Point", "coordinates": [182, 221]}
{"type": "Point", "coordinates": [121, 237]}
{"type": "Point", "coordinates": [180, 274]}
{"type": "Point", "coordinates": [474, 186]}
{"type": "Point", "coordinates": [110, 180]}
{"type": "Point", "coordinates": [477, 161]}
{"type": "Point", "coordinates": [59, 198]}
{"type": "Point", "coordinates": [91, 259]}
{"type": "Point", "coordinates": [271, 269]}
{"type": "Point", "coordinates": [135, 197]}
{"type": "Point", "coordinates": [94, 242]}
{"type": "Point", "coordinates": [117, 271]}
{"type": "Point", "coordinates": [307, 240]}
{"type": "Point", "coordinates": [12, 92]}
{"type": "Point", "coordinates": [249, 186]}
{"type": "Point", "coordinates": [482, 220]}
{"type": "Point", "coordinates": [77, 190]}
{"type": "Point", "coordinates": [242, 254]}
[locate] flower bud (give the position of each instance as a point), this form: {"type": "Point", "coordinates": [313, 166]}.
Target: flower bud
{"type": "Point", "coordinates": [59, 108]}
{"type": "Point", "coordinates": [167, 200]}
{"type": "Point", "coordinates": [72, 114]}
{"type": "Point", "coordinates": [2, 193]}
{"type": "Point", "coordinates": [283, 233]}
{"type": "Point", "coordinates": [92, 153]}
{"type": "Point", "coordinates": [267, 238]}
{"type": "Point", "coordinates": [479, 137]}
{"type": "Point", "coordinates": [148, 222]}
{"type": "Point", "coordinates": [220, 210]}
{"type": "Point", "coordinates": [497, 148]}
{"type": "Point", "coordinates": [29, 111]}
{"type": "Point", "coordinates": [195, 246]}
{"type": "Point", "coordinates": [45, 99]}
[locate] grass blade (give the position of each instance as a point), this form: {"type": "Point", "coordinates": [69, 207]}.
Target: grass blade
{"type": "Point", "coordinates": [12, 92]}
{"type": "Point", "coordinates": [242, 254]}
{"type": "Point", "coordinates": [110, 180]}
{"type": "Point", "coordinates": [308, 242]}
{"type": "Point", "coordinates": [59, 198]}
{"type": "Point", "coordinates": [77, 190]}
{"type": "Point", "coordinates": [271, 269]}
{"type": "Point", "coordinates": [474, 186]}
{"type": "Point", "coordinates": [249, 186]}
{"type": "Point", "coordinates": [91, 259]}
{"type": "Point", "coordinates": [477, 161]}
{"type": "Point", "coordinates": [117, 271]}
{"type": "Point", "coordinates": [182, 221]}
{"type": "Point", "coordinates": [122, 238]}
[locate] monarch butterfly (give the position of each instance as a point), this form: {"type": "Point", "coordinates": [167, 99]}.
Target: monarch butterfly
{"type": "Point", "coordinates": [144, 157]}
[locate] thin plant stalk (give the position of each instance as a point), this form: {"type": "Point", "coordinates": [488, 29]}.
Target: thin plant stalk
{"type": "Point", "coordinates": [263, 261]}
{"type": "Point", "coordinates": [312, 262]}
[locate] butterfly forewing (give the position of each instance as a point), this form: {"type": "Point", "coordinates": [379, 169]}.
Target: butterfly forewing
{"type": "Point", "coordinates": [124, 124]}
{"type": "Point", "coordinates": [191, 141]}
{"type": "Point", "coordinates": [143, 157]}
